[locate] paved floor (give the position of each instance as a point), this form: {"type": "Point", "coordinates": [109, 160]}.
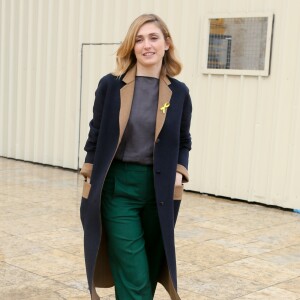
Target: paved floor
{"type": "Point", "coordinates": [225, 249]}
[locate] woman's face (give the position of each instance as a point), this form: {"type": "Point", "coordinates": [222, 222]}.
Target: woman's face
{"type": "Point", "coordinates": [150, 46]}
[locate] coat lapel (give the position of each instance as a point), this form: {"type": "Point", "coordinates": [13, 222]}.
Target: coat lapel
{"type": "Point", "coordinates": [126, 96]}
{"type": "Point", "coordinates": [164, 98]}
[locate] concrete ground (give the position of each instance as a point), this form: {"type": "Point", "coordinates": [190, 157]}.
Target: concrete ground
{"type": "Point", "coordinates": [225, 249]}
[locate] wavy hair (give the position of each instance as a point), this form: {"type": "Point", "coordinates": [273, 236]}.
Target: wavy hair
{"type": "Point", "coordinates": [125, 57]}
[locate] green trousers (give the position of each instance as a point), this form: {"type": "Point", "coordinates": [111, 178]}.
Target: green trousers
{"type": "Point", "coordinates": [133, 231]}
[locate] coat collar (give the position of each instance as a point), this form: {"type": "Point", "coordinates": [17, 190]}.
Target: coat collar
{"type": "Point", "coordinates": [131, 73]}
{"type": "Point", "coordinates": [126, 95]}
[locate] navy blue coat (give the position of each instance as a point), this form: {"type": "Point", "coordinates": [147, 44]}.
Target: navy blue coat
{"type": "Point", "coordinates": [113, 100]}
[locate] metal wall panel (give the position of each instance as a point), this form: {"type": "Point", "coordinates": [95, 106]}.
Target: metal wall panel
{"type": "Point", "coordinates": [245, 129]}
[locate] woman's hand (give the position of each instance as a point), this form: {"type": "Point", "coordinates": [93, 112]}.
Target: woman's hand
{"type": "Point", "coordinates": [178, 180]}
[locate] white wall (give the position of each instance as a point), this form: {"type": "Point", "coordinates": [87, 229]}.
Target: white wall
{"type": "Point", "coordinates": [245, 129]}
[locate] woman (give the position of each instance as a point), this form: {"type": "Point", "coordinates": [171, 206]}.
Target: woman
{"type": "Point", "coordinates": [136, 162]}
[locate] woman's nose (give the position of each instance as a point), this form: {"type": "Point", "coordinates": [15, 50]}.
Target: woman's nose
{"type": "Point", "coordinates": [147, 43]}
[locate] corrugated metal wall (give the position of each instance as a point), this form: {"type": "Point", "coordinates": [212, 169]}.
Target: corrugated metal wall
{"type": "Point", "coordinates": [245, 129]}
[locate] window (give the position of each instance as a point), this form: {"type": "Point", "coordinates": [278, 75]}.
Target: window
{"type": "Point", "coordinates": [219, 51]}
{"type": "Point", "coordinates": [238, 45]}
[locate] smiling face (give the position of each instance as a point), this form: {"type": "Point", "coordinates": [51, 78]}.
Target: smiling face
{"type": "Point", "coordinates": [149, 49]}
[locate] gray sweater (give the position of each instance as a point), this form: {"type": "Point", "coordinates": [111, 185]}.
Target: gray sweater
{"type": "Point", "coordinates": [138, 139]}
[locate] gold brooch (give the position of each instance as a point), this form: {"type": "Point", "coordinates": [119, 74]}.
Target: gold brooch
{"type": "Point", "coordinates": [164, 107]}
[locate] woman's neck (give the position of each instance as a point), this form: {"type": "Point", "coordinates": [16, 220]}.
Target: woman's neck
{"type": "Point", "coordinates": [153, 71]}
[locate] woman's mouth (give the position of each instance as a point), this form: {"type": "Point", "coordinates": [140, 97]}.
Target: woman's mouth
{"type": "Point", "coordinates": [148, 53]}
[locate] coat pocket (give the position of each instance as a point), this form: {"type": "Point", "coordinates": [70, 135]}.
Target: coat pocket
{"type": "Point", "coordinates": [178, 191]}
{"type": "Point", "coordinates": [86, 190]}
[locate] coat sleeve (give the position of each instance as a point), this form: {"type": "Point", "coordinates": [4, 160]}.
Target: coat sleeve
{"type": "Point", "coordinates": [91, 143]}
{"type": "Point", "coordinates": [185, 139]}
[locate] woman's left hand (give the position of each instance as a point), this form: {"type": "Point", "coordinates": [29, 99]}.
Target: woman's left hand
{"type": "Point", "coordinates": [178, 180]}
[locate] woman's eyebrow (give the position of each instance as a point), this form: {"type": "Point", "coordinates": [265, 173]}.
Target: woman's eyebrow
{"type": "Point", "coordinates": [152, 33]}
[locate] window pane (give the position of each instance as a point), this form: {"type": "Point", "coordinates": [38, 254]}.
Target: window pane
{"type": "Point", "coordinates": [237, 43]}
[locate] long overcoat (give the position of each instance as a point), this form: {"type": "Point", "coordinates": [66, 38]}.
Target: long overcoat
{"type": "Point", "coordinates": [113, 100]}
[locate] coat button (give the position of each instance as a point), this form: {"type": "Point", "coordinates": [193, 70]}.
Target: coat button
{"type": "Point", "coordinates": [161, 203]}
{"type": "Point", "coordinates": [157, 171]}
{"type": "Point", "coordinates": [157, 141]}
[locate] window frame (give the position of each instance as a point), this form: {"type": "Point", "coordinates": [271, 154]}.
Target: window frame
{"type": "Point", "coordinates": [264, 72]}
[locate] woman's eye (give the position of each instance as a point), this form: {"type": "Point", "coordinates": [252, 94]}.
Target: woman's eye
{"type": "Point", "coordinates": [154, 38]}
{"type": "Point", "coordinates": [138, 40]}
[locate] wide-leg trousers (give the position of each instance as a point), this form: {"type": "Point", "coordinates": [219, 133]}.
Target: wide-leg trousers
{"type": "Point", "coordinates": [131, 223]}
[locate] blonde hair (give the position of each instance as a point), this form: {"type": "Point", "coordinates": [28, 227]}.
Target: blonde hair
{"type": "Point", "coordinates": [125, 57]}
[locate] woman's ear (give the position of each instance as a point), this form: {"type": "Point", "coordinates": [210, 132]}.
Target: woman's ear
{"type": "Point", "coordinates": [167, 46]}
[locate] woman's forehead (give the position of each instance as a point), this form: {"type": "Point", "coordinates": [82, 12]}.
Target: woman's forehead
{"type": "Point", "coordinates": [149, 28]}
